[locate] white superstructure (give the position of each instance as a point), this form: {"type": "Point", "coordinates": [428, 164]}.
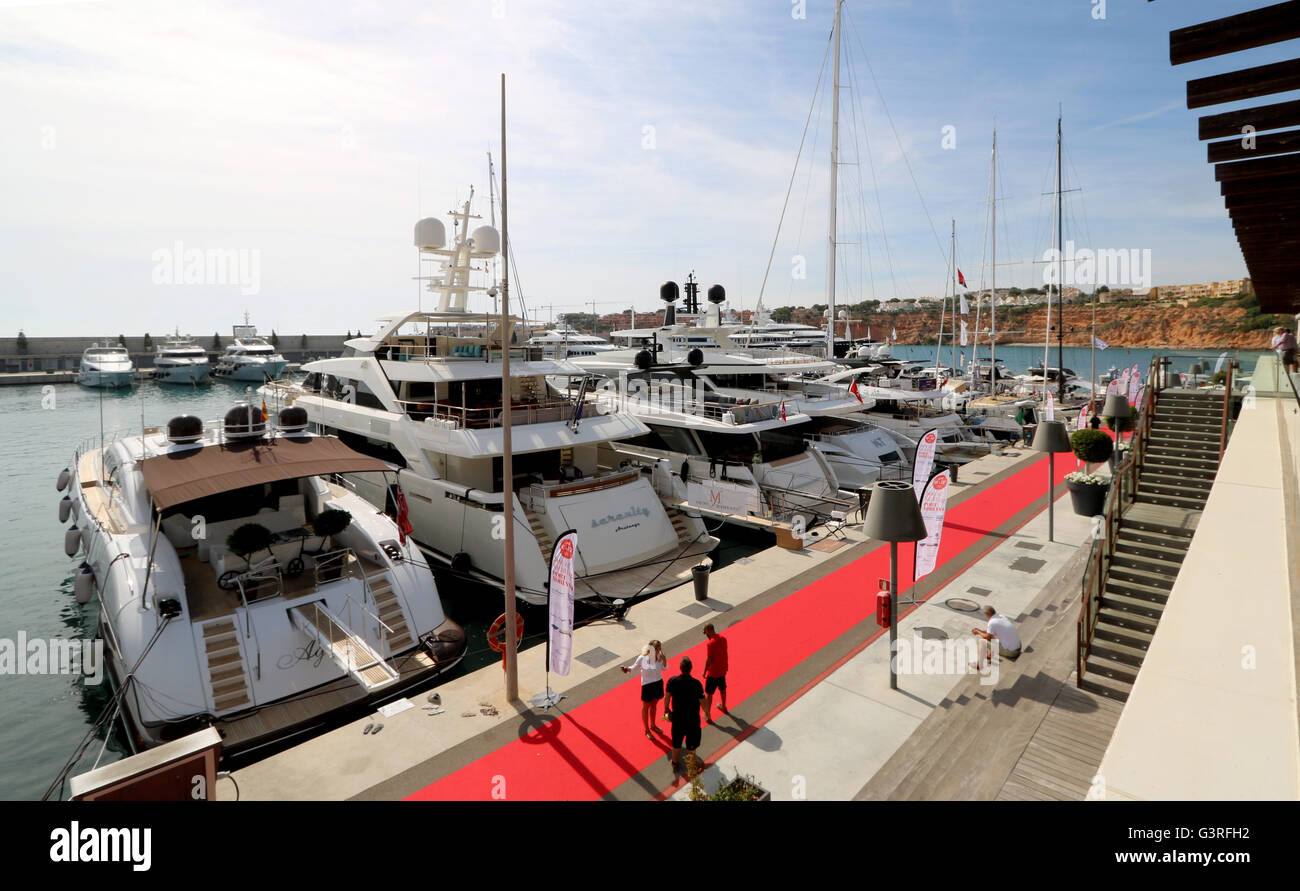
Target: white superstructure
{"type": "Point", "coordinates": [107, 366]}
{"type": "Point", "coordinates": [249, 357]}
{"type": "Point", "coordinates": [180, 360]}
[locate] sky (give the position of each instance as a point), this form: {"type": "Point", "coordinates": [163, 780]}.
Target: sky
{"type": "Point", "coordinates": [646, 139]}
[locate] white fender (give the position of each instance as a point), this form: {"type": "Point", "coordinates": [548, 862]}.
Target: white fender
{"type": "Point", "coordinates": [72, 540]}
{"type": "Point", "coordinates": [84, 583]}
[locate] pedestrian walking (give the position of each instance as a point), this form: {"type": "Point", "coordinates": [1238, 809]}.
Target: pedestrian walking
{"type": "Point", "coordinates": [684, 697]}
{"type": "Point", "coordinates": [715, 671]}
{"type": "Point", "coordinates": [652, 664]}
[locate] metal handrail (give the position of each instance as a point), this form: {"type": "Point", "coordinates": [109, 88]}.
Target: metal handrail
{"type": "Point", "coordinates": [489, 417]}
{"type": "Point", "coordinates": [1227, 410]}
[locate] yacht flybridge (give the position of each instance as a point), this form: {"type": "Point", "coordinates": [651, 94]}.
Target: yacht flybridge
{"type": "Point", "coordinates": [249, 357]}
{"type": "Point", "coordinates": [220, 607]}
{"type": "Point", "coordinates": [426, 396]}
{"type": "Point", "coordinates": [565, 342]}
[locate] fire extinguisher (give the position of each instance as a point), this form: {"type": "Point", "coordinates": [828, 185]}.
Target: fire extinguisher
{"type": "Point", "coordinates": [882, 609]}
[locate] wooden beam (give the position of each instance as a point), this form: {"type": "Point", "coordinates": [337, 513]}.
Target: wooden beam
{"type": "Point", "coordinates": [1234, 33]}
{"type": "Point", "coordinates": [1261, 146]}
{"type": "Point", "coordinates": [1262, 80]}
{"type": "Point", "coordinates": [1260, 200]}
{"type": "Point", "coordinates": [1286, 168]}
{"type": "Point", "coordinates": [1261, 117]}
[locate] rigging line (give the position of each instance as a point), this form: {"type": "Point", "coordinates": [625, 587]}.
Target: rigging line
{"type": "Point", "coordinates": [807, 188]}
{"type": "Point", "coordinates": [935, 232]}
{"type": "Point", "coordinates": [871, 163]}
{"type": "Point", "coordinates": [820, 74]}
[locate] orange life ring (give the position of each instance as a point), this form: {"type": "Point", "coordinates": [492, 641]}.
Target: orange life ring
{"type": "Point", "coordinates": [496, 636]}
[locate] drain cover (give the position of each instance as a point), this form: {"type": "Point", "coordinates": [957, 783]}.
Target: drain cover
{"type": "Point", "coordinates": [961, 603]}
{"type": "Point", "coordinates": [927, 633]}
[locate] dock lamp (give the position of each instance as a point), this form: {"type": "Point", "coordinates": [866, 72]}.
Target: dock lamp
{"type": "Point", "coordinates": [893, 515]}
{"type": "Point", "coordinates": [1051, 438]}
{"type": "Point", "coordinates": [1117, 407]}
{"type": "Point", "coordinates": [1196, 370]}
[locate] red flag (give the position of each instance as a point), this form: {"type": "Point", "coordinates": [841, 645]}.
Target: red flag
{"type": "Point", "coordinates": [853, 388]}
{"type": "Point", "coordinates": [961, 278]}
{"type": "Point", "coordinates": [404, 527]}
{"type": "Point", "coordinates": [265, 413]}
{"type": "Point", "coordinates": [783, 409]}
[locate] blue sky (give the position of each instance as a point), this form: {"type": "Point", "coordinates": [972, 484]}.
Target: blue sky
{"type": "Point", "coordinates": [314, 135]}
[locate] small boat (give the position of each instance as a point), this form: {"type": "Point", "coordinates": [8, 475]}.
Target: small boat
{"type": "Point", "coordinates": [242, 586]}
{"type": "Point", "coordinates": [106, 366]}
{"type": "Point", "coordinates": [180, 360]}
{"type": "Point", "coordinates": [249, 358]}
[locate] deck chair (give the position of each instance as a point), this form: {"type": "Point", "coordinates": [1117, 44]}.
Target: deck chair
{"type": "Point", "coordinates": [835, 525]}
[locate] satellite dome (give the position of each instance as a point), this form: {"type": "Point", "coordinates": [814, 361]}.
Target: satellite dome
{"type": "Point", "coordinates": [717, 294]}
{"type": "Point", "coordinates": [430, 234]}
{"type": "Point", "coordinates": [486, 240]}
{"type": "Point", "coordinates": [669, 292]}
{"type": "Point", "coordinates": [695, 357]}
{"type": "Point", "coordinates": [644, 359]}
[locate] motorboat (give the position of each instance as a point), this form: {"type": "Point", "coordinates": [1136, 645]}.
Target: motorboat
{"type": "Point", "coordinates": [107, 366]}
{"type": "Point", "coordinates": [180, 360]}
{"type": "Point", "coordinates": [249, 357]}
{"type": "Point", "coordinates": [425, 392]}
{"type": "Point", "coordinates": [242, 586]}
{"type": "Point", "coordinates": [566, 342]}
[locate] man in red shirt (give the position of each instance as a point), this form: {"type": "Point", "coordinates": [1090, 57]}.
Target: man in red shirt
{"type": "Point", "coordinates": [715, 671]}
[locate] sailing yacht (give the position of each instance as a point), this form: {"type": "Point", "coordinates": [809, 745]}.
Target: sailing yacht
{"type": "Point", "coordinates": [426, 394]}
{"type": "Point", "coordinates": [179, 360]}
{"type": "Point", "coordinates": [249, 357]}
{"type": "Point", "coordinates": [263, 633]}
{"type": "Point", "coordinates": [107, 366]}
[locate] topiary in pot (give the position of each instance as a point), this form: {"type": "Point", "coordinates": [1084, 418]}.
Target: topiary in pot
{"type": "Point", "coordinates": [330, 522]}
{"type": "Point", "coordinates": [1091, 446]}
{"type": "Point", "coordinates": [1125, 425]}
{"type": "Point", "coordinates": [245, 541]}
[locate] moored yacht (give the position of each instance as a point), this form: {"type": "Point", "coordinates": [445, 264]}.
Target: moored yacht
{"type": "Point", "coordinates": [241, 586]}
{"type": "Point", "coordinates": [565, 342]}
{"type": "Point", "coordinates": [249, 357]}
{"type": "Point", "coordinates": [179, 360]}
{"type": "Point", "coordinates": [426, 395]}
{"type": "Point", "coordinates": [106, 366]}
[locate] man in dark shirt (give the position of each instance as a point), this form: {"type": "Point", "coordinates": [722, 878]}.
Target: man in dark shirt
{"type": "Point", "coordinates": [682, 697]}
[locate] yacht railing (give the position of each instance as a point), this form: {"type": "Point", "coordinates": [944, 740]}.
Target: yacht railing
{"type": "Point", "coordinates": [462, 417]}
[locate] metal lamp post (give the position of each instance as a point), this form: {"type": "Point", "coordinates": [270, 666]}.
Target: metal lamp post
{"type": "Point", "coordinates": [1197, 370]}
{"type": "Point", "coordinates": [893, 515]}
{"type": "Point", "coordinates": [1117, 407]}
{"type": "Point", "coordinates": [1051, 438]}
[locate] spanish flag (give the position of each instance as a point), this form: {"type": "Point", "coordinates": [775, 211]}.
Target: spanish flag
{"type": "Point", "coordinates": [265, 413]}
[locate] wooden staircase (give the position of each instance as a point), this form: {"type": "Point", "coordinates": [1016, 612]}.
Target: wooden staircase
{"type": "Point", "coordinates": [544, 539]}
{"type": "Point", "coordinates": [227, 679]}
{"type": "Point", "coordinates": [1179, 463]}
{"type": "Point", "coordinates": [390, 612]}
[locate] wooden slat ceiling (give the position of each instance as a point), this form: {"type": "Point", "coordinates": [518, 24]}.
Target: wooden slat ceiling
{"type": "Point", "coordinates": [1258, 171]}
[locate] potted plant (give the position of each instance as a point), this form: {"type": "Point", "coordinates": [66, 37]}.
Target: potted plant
{"type": "Point", "coordinates": [1120, 425]}
{"type": "Point", "coordinates": [327, 524]}
{"type": "Point", "coordinates": [741, 788]}
{"type": "Point", "coordinates": [245, 541]}
{"type": "Point", "coordinates": [1087, 492]}
{"type": "Point", "coordinates": [1092, 447]}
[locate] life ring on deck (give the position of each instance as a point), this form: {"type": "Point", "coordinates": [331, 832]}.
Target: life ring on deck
{"type": "Point", "coordinates": [496, 634]}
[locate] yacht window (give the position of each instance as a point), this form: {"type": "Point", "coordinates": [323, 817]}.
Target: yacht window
{"type": "Point", "coordinates": [666, 439]}
{"type": "Point", "coordinates": [366, 397]}
{"type": "Point", "coordinates": [781, 443]}
{"type": "Point", "coordinates": [731, 446]}
{"type": "Point", "coordinates": [312, 382]}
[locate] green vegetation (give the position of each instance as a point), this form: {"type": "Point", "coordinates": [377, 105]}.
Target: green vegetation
{"type": "Point", "coordinates": [329, 523]}
{"type": "Point", "coordinates": [216, 341]}
{"type": "Point", "coordinates": [247, 540]}
{"type": "Point", "coordinates": [148, 342]}
{"type": "Point", "coordinates": [1125, 424]}
{"type": "Point", "coordinates": [275, 338]}
{"type": "Point", "coordinates": [22, 341]}
{"type": "Point", "coordinates": [1091, 446]}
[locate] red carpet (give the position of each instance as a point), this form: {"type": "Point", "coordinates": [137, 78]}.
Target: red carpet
{"type": "Point", "coordinates": [600, 744]}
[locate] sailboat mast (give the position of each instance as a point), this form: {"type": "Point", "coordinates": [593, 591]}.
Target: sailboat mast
{"type": "Point", "coordinates": [943, 306]}
{"type": "Point", "coordinates": [993, 274]}
{"type": "Point", "coordinates": [1060, 278]}
{"type": "Point", "coordinates": [835, 164]}
{"type": "Point", "coordinates": [507, 455]}
{"type": "Point", "coordinates": [1047, 332]}
{"type": "Point", "coordinates": [953, 250]}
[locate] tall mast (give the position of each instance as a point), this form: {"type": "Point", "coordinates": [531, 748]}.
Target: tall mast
{"type": "Point", "coordinates": [943, 305]}
{"type": "Point", "coordinates": [953, 251]}
{"type": "Point", "coordinates": [1060, 278]}
{"type": "Point", "coordinates": [993, 275]}
{"type": "Point", "coordinates": [1047, 333]}
{"type": "Point", "coordinates": [835, 164]}
{"type": "Point", "coordinates": [507, 462]}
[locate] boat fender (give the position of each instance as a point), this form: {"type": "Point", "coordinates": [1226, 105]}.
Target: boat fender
{"type": "Point", "coordinates": [65, 477]}
{"type": "Point", "coordinates": [72, 540]}
{"type": "Point", "coordinates": [461, 562]}
{"type": "Point", "coordinates": [686, 471]}
{"type": "Point", "coordinates": [496, 635]}
{"type": "Point", "coordinates": [65, 508]}
{"type": "Point", "coordinates": [83, 586]}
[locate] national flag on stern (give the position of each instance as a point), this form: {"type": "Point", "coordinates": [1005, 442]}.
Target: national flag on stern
{"type": "Point", "coordinates": [853, 388]}
{"type": "Point", "coordinates": [265, 413]}
{"type": "Point", "coordinates": [404, 527]}
{"type": "Point", "coordinates": [783, 409]}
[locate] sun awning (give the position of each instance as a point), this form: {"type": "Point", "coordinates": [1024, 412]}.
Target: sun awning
{"type": "Point", "coordinates": [182, 476]}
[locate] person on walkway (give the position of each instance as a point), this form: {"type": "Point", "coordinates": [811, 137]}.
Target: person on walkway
{"type": "Point", "coordinates": [1001, 630]}
{"type": "Point", "coordinates": [1284, 343]}
{"type": "Point", "coordinates": [652, 665]}
{"type": "Point", "coordinates": [685, 696]}
{"type": "Point", "coordinates": [715, 671]}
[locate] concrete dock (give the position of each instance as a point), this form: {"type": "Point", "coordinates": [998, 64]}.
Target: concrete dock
{"type": "Point", "coordinates": [812, 716]}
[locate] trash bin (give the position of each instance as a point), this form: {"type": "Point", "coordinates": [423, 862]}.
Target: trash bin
{"type": "Point", "coordinates": [700, 575]}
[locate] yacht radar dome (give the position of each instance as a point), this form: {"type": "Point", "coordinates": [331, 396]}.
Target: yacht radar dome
{"type": "Point", "coordinates": [487, 240]}
{"type": "Point", "coordinates": [244, 421]}
{"type": "Point", "coordinates": [293, 420]}
{"type": "Point", "coordinates": [644, 360]}
{"type": "Point", "coordinates": [430, 234]}
{"type": "Point", "coordinates": [184, 429]}
{"type": "Point", "coordinates": [669, 292]}
{"type": "Point", "coordinates": [695, 357]}
{"type": "Point", "coordinates": [717, 294]}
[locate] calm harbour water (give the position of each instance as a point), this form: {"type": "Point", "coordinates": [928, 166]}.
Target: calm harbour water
{"type": "Point", "coordinates": [47, 716]}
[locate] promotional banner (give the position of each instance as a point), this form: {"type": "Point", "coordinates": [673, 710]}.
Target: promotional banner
{"type": "Point", "coordinates": [963, 328]}
{"type": "Point", "coordinates": [934, 503]}
{"type": "Point", "coordinates": [1134, 381]}
{"type": "Point", "coordinates": [561, 601]}
{"type": "Point", "coordinates": [1218, 366]}
{"type": "Point", "coordinates": [1083, 418]}
{"type": "Point", "coordinates": [1051, 408]}
{"type": "Point", "coordinates": [1141, 394]}
{"type": "Point", "coordinates": [923, 461]}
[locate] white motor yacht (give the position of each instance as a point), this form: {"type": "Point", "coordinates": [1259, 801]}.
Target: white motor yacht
{"type": "Point", "coordinates": [426, 395]}
{"type": "Point", "coordinates": [564, 342]}
{"type": "Point", "coordinates": [180, 360]}
{"type": "Point", "coordinates": [106, 366]}
{"type": "Point", "coordinates": [249, 357]}
{"type": "Point", "coordinates": [242, 586]}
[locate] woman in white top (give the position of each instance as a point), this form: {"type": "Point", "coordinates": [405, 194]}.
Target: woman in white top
{"type": "Point", "coordinates": [652, 665]}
